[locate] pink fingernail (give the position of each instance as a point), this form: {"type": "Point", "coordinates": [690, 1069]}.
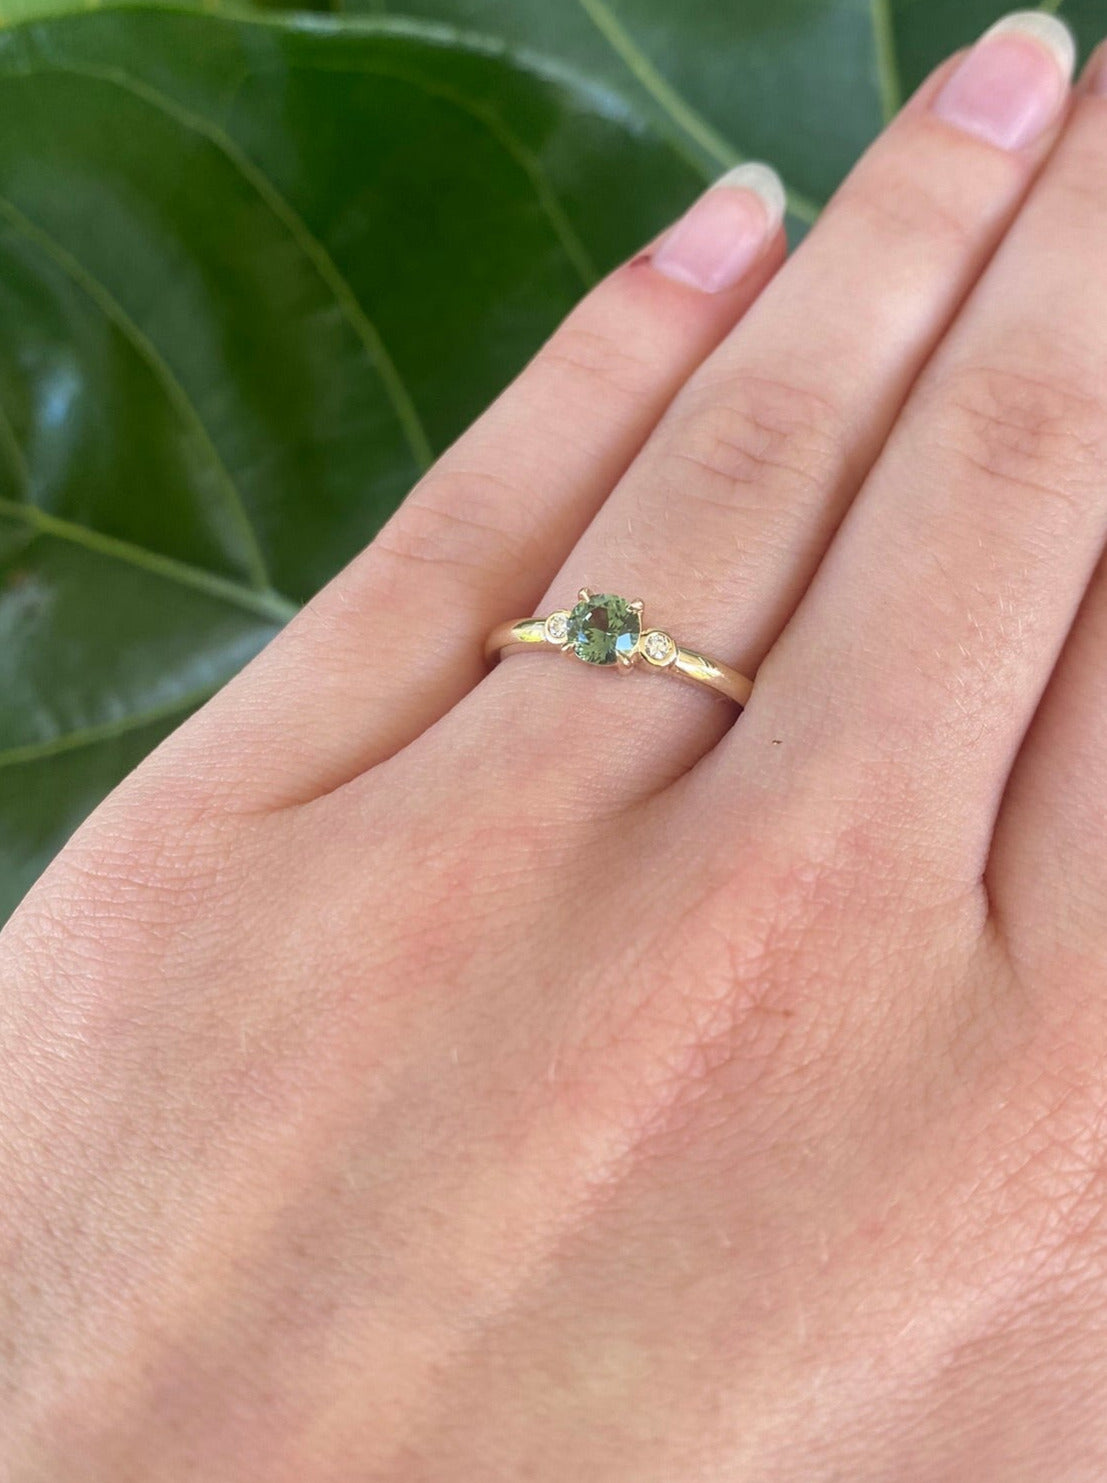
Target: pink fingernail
{"type": "Point", "coordinates": [716, 243]}
{"type": "Point", "coordinates": [1011, 86]}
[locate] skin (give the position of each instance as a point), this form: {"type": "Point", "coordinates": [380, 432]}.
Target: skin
{"type": "Point", "coordinates": [419, 1075]}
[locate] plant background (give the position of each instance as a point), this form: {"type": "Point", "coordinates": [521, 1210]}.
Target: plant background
{"type": "Point", "coordinates": [258, 267]}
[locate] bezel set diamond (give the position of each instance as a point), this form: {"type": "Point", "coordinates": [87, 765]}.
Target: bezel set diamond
{"type": "Point", "coordinates": [557, 627]}
{"type": "Point", "coordinates": [658, 647]}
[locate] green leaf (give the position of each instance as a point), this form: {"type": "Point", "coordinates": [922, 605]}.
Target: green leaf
{"type": "Point", "coordinates": [796, 82]}
{"type": "Point", "coordinates": [805, 84]}
{"type": "Point", "coordinates": [256, 272]}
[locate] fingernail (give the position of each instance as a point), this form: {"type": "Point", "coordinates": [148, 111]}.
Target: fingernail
{"type": "Point", "coordinates": [720, 238]}
{"type": "Point", "coordinates": [1010, 87]}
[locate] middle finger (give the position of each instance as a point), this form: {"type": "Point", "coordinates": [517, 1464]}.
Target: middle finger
{"type": "Point", "coordinates": [721, 521]}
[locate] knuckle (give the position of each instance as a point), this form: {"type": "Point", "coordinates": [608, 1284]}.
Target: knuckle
{"type": "Point", "coordinates": [750, 433]}
{"type": "Point", "coordinates": [464, 517]}
{"type": "Point", "coordinates": [1040, 433]}
{"type": "Point", "coordinates": [457, 518]}
{"type": "Point", "coordinates": [897, 207]}
{"type": "Point", "coordinates": [595, 362]}
{"type": "Point", "coordinates": [1078, 181]}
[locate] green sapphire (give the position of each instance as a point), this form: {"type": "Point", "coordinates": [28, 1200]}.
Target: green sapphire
{"type": "Point", "coordinates": [603, 627]}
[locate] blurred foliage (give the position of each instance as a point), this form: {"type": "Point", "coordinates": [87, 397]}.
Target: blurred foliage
{"type": "Point", "coordinates": [257, 269]}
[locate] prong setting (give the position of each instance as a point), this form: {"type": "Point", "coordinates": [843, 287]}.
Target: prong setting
{"type": "Point", "coordinates": [604, 628]}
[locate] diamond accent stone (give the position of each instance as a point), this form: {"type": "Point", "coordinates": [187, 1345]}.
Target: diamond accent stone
{"type": "Point", "coordinates": [604, 628]}
{"type": "Point", "coordinates": [658, 647]}
{"type": "Point", "coordinates": [557, 627]}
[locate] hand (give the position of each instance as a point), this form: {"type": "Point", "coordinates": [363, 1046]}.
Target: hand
{"type": "Point", "coordinates": [424, 1076]}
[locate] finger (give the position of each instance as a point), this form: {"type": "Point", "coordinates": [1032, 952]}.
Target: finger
{"type": "Point", "coordinates": [922, 650]}
{"type": "Point", "coordinates": [722, 519]}
{"type": "Point", "coordinates": [396, 639]}
{"type": "Point", "coordinates": [1047, 874]}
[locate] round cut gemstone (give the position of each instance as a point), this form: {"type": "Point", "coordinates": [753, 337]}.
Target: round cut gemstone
{"type": "Point", "coordinates": [658, 646]}
{"type": "Point", "coordinates": [603, 627]}
{"type": "Point", "coordinates": [557, 627]}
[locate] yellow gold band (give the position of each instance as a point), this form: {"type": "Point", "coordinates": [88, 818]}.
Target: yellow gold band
{"type": "Point", "coordinates": [653, 646]}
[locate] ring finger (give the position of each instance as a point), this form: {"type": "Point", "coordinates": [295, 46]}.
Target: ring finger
{"type": "Point", "coordinates": [394, 641]}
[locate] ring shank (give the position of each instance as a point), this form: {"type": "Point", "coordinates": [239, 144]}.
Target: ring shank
{"type": "Point", "coordinates": [528, 635]}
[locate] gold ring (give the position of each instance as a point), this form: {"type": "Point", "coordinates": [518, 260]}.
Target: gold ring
{"type": "Point", "coordinates": [607, 630]}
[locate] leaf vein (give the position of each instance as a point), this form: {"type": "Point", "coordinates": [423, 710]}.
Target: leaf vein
{"type": "Point", "coordinates": [675, 105]}
{"type": "Point", "coordinates": [265, 604]}
{"type": "Point", "coordinates": [529, 162]}
{"type": "Point", "coordinates": [887, 65]}
{"type": "Point", "coordinates": [330, 274]}
{"type": "Point", "coordinates": [115, 313]}
{"type": "Point", "coordinates": [87, 736]}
